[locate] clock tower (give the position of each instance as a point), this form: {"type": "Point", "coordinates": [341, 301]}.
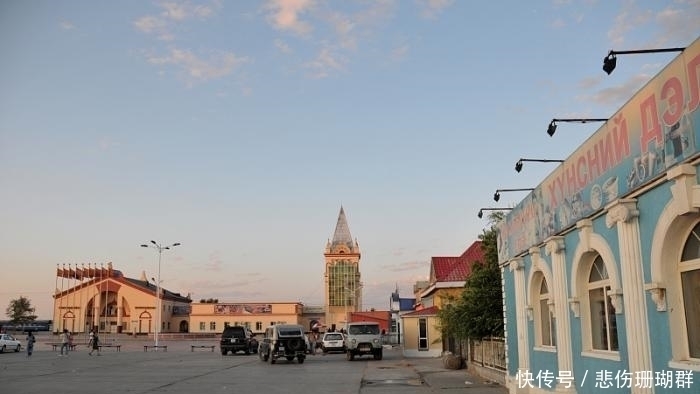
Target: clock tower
{"type": "Point", "coordinates": [342, 276]}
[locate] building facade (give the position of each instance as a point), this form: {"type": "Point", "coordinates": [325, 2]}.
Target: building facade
{"type": "Point", "coordinates": [104, 299]}
{"type": "Point", "coordinates": [343, 287]}
{"type": "Point", "coordinates": [601, 262]}
{"type": "Point", "coordinates": [448, 275]}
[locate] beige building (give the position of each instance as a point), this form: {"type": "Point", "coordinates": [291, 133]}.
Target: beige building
{"type": "Point", "coordinates": [104, 298]}
{"type": "Point", "coordinates": [213, 317]}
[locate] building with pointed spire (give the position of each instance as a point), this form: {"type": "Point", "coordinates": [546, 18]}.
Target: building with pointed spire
{"type": "Point", "coordinates": [343, 287]}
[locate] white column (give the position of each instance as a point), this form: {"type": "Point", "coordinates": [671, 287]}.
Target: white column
{"type": "Point", "coordinates": [555, 247]}
{"type": "Point", "coordinates": [623, 213]}
{"type": "Point", "coordinates": [517, 266]}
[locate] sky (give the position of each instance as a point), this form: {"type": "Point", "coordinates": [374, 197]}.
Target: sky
{"type": "Point", "coordinates": [239, 129]}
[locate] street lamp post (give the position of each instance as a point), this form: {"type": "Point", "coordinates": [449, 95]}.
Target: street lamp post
{"type": "Point", "coordinates": [159, 306]}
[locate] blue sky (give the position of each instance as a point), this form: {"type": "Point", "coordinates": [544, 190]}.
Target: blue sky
{"type": "Point", "coordinates": [238, 128]}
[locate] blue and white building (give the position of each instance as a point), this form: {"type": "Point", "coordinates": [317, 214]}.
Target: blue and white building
{"type": "Point", "coordinates": [601, 262]}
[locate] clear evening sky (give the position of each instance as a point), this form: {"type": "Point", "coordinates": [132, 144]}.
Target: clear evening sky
{"type": "Point", "coordinates": [239, 128]}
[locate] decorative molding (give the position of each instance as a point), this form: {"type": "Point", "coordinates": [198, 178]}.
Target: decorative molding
{"type": "Point", "coordinates": [621, 210]}
{"type": "Point", "coordinates": [554, 245]}
{"type": "Point", "coordinates": [683, 189]}
{"type": "Point", "coordinates": [517, 264]}
{"type": "Point", "coordinates": [530, 313]}
{"type": "Point", "coordinates": [616, 301]}
{"type": "Point", "coordinates": [658, 295]}
{"type": "Point", "coordinates": [575, 306]}
{"type": "Point", "coordinates": [585, 228]}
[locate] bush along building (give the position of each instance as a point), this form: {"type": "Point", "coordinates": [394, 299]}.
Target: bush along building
{"type": "Point", "coordinates": [601, 262]}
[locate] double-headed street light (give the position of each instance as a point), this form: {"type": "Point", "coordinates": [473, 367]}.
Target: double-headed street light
{"type": "Point", "coordinates": [160, 248]}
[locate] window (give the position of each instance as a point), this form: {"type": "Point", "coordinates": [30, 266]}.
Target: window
{"type": "Point", "coordinates": [602, 313]}
{"type": "Point", "coordinates": [689, 268]}
{"type": "Point", "coordinates": [422, 334]}
{"type": "Point", "coordinates": [546, 319]}
{"type": "Point", "coordinates": [212, 326]}
{"type": "Point", "coordinates": [202, 326]}
{"type": "Point", "coordinates": [258, 326]}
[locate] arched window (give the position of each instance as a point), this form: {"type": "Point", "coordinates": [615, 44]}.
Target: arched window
{"type": "Point", "coordinates": [545, 317]}
{"type": "Point", "coordinates": [689, 268]}
{"type": "Point", "coordinates": [602, 318]}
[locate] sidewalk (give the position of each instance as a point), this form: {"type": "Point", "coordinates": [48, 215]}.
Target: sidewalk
{"type": "Point", "coordinates": [437, 377]}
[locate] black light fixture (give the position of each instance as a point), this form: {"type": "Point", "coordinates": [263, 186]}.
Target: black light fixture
{"type": "Point", "coordinates": [552, 128]}
{"type": "Point", "coordinates": [497, 195]}
{"type": "Point", "coordinates": [481, 211]}
{"type": "Point", "coordinates": [610, 61]}
{"type": "Point", "coordinates": [519, 164]}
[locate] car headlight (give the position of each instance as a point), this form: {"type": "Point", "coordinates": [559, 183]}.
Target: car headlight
{"type": "Point", "coordinates": [354, 341]}
{"type": "Point", "coordinates": [376, 340]}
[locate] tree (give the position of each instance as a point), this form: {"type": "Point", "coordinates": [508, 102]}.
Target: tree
{"type": "Point", "coordinates": [478, 312]}
{"type": "Point", "coordinates": [20, 311]}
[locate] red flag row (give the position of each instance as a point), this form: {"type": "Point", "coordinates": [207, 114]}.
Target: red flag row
{"type": "Point", "coordinates": [81, 273]}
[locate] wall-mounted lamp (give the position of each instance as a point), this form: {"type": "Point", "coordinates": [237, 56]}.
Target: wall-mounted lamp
{"type": "Point", "coordinates": [519, 164]}
{"type": "Point", "coordinates": [481, 211]}
{"type": "Point", "coordinates": [610, 61]}
{"type": "Point", "coordinates": [497, 195]}
{"type": "Point", "coordinates": [552, 128]}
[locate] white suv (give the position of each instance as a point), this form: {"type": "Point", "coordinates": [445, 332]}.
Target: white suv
{"type": "Point", "coordinates": [363, 338]}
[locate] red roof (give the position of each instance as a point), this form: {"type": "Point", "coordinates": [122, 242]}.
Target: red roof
{"type": "Point", "coordinates": [456, 269]}
{"type": "Point", "coordinates": [432, 311]}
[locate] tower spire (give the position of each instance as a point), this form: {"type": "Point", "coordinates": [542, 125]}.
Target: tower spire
{"type": "Point", "coordinates": [342, 231]}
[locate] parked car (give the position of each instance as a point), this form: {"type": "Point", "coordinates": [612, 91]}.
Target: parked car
{"type": "Point", "coordinates": [8, 342]}
{"type": "Point", "coordinates": [283, 340]}
{"type": "Point", "coordinates": [235, 339]}
{"type": "Point", "coordinates": [333, 342]}
{"type": "Point", "coordinates": [363, 338]}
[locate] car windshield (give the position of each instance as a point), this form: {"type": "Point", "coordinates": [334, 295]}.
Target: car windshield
{"type": "Point", "coordinates": [333, 337]}
{"type": "Point", "coordinates": [368, 329]}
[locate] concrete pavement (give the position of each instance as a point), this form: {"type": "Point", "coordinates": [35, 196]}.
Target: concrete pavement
{"type": "Point", "coordinates": [181, 370]}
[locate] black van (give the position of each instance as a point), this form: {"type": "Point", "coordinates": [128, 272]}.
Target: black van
{"type": "Point", "coordinates": [236, 338]}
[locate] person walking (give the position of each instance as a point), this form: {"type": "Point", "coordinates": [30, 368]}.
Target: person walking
{"type": "Point", "coordinates": [65, 342]}
{"type": "Point", "coordinates": [30, 343]}
{"type": "Point", "coordinates": [94, 344]}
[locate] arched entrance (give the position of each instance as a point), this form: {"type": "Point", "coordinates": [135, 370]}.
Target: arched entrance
{"type": "Point", "coordinates": [69, 321]}
{"type": "Point", "coordinates": [145, 322]}
{"type": "Point", "coordinates": [184, 326]}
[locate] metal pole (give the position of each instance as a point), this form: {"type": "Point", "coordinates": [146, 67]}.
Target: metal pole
{"type": "Point", "coordinates": [160, 253]}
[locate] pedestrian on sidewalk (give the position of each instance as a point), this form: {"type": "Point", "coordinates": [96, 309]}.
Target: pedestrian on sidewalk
{"type": "Point", "coordinates": [95, 344]}
{"type": "Point", "coordinates": [30, 343]}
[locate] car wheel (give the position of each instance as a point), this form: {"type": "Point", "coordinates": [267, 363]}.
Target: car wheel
{"type": "Point", "coordinates": [324, 350]}
{"type": "Point", "coordinates": [350, 356]}
{"type": "Point", "coordinates": [223, 352]}
{"type": "Point", "coordinates": [378, 355]}
{"type": "Point", "coordinates": [247, 352]}
{"type": "Point", "coordinates": [301, 359]}
{"type": "Point", "coordinates": [2, 350]}
{"type": "Point", "coordinates": [290, 358]}
{"type": "Point", "coordinates": [18, 348]}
